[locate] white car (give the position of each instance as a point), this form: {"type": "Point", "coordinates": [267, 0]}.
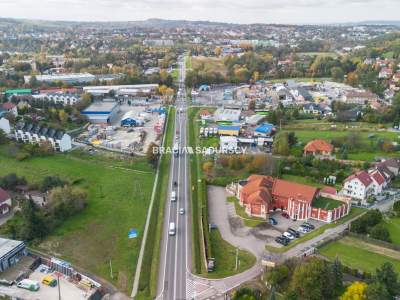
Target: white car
{"type": "Point", "coordinates": [181, 211]}
{"type": "Point", "coordinates": [302, 229]}
{"type": "Point", "coordinates": [288, 235]}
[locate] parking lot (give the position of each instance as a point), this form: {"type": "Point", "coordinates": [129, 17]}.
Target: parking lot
{"type": "Point", "coordinates": [68, 290]}
{"type": "Point", "coordinates": [284, 224]}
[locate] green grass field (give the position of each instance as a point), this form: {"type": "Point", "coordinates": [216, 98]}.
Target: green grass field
{"type": "Point", "coordinates": [354, 256]}
{"type": "Point", "coordinates": [393, 225]}
{"type": "Point", "coordinates": [240, 211]}
{"type": "Point", "coordinates": [225, 258]}
{"type": "Point", "coordinates": [118, 201]}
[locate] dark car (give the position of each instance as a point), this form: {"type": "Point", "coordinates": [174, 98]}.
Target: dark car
{"type": "Point", "coordinates": [272, 221]}
{"type": "Point", "coordinates": [306, 224]}
{"type": "Point", "coordinates": [294, 232]}
{"type": "Point", "coordinates": [285, 215]}
{"type": "Point", "coordinates": [281, 240]}
{"type": "Point", "coordinates": [175, 183]}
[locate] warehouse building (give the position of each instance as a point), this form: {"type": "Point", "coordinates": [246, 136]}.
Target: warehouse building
{"type": "Point", "coordinates": [69, 78]}
{"type": "Point", "coordinates": [121, 90]}
{"type": "Point", "coordinates": [11, 252]}
{"type": "Point", "coordinates": [102, 112]}
{"type": "Point", "coordinates": [227, 115]}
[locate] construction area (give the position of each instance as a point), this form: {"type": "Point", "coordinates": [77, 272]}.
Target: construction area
{"type": "Point", "coordinates": [131, 129]}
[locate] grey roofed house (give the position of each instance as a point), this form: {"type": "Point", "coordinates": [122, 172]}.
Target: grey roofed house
{"type": "Point", "coordinates": [59, 134]}
{"type": "Point", "coordinates": [306, 94]}
{"type": "Point", "coordinates": [51, 132]}
{"type": "Point", "coordinates": [43, 131]}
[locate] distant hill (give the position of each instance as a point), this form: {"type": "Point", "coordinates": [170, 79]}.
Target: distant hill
{"type": "Point", "coordinates": [156, 23]}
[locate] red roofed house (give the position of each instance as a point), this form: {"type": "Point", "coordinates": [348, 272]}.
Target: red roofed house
{"type": "Point", "coordinates": [358, 186]}
{"type": "Point", "coordinates": [9, 107]}
{"type": "Point", "coordinates": [378, 181]}
{"type": "Point", "coordinates": [260, 195]}
{"type": "Point", "coordinates": [5, 202]}
{"type": "Point", "coordinates": [319, 149]}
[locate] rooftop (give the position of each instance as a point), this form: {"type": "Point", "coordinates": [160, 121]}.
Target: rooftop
{"type": "Point", "coordinates": [6, 246]}
{"type": "Point", "coordinates": [100, 106]}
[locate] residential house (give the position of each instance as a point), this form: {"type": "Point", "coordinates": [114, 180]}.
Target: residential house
{"type": "Point", "coordinates": [5, 125]}
{"type": "Point", "coordinates": [8, 108]}
{"type": "Point", "coordinates": [5, 202]}
{"type": "Point", "coordinates": [385, 73]}
{"type": "Point", "coordinates": [319, 149]}
{"type": "Point", "coordinates": [37, 134]}
{"type": "Point", "coordinates": [359, 186]}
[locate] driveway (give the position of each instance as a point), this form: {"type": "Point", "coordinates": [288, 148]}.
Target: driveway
{"type": "Point", "coordinates": [222, 214]}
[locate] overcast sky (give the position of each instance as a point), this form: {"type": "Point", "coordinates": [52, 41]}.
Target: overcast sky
{"type": "Point", "coordinates": [235, 11]}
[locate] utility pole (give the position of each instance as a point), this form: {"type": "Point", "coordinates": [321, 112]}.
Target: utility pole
{"type": "Point", "coordinates": [58, 284]}
{"type": "Point", "coordinates": [237, 253]}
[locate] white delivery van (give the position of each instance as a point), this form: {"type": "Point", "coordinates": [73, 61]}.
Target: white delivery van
{"type": "Point", "coordinates": [172, 229]}
{"type": "Point", "coordinates": [173, 196]}
{"type": "Point", "coordinates": [28, 285]}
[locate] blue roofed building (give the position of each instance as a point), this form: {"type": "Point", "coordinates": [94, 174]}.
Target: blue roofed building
{"type": "Point", "coordinates": [228, 130]}
{"type": "Point", "coordinates": [265, 129]}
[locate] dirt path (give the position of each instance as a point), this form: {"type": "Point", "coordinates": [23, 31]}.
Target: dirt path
{"type": "Point", "coordinates": [371, 247]}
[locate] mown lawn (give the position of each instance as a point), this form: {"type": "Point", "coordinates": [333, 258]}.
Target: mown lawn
{"type": "Point", "coordinates": [118, 201]}
{"type": "Point", "coordinates": [393, 225]}
{"type": "Point", "coordinates": [240, 211]}
{"type": "Point", "coordinates": [356, 257]}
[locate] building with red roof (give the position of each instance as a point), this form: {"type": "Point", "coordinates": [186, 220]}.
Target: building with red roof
{"type": "Point", "coordinates": [319, 149]}
{"type": "Point", "coordinates": [260, 195]}
{"type": "Point", "coordinates": [358, 186]}
{"type": "Point", "coordinates": [5, 202]}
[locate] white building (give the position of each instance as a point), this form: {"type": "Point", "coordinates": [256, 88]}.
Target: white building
{"type": "Point", "coordinates": [224, 114]}
{"type": "Point", "coordinates": [228, 143]}
{"type": "Point", "coordinates": [121, 90]}
{"type": "Point", "coordinates": [58, 98]}
{"type": "Point", "coordinates": [36, 134]}
{"type": "Point", "coordinates": [358, 186]}
{"type": "Point", "coordinates": [5, 125]}
{"type": "Point", "coordinates": [70, 78]}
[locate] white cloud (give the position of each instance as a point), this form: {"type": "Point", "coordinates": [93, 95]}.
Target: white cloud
{"type": "Point", "coordinates": [240, 11]}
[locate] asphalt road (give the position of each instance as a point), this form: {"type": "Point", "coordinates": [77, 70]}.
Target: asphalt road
{"type": "Point", "coordinates": [175, 252]}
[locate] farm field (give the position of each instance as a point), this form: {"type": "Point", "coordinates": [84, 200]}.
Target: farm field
{"type": "Point", "coordinates": [355, 253]}
{"type": "Point", "coordinates": [118, 201]}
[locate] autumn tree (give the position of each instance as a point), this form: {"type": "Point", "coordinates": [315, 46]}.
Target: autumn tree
{"type": "Point", "coordinates": [152, 154]}
{"type": "Point", "coordinates": [355, 291]}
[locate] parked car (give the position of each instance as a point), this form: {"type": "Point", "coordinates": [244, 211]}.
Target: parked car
{"type": "Point", "coordinates": [281, 240]}
{"type": "Point", "coordinates": [49, 280]}
{"type": "Point", "coordinates": [288, 235]}
{"type": "Point", "coordinates": [272, 221]}
{"type": "Point", "coordinates": [302, 229]}
{"type": "Point", "coordinates": [293, 232]}
{"type": "Point", "coordinates": [285, 215]}
{"type": "Point", "coordinates": [210, 264]}
{"type": "Point", "coordinates": [306, 224]}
